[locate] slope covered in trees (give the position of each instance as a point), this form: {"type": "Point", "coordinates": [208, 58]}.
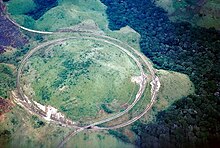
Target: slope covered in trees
{"type": "Point", "coordinates": [181, 47]}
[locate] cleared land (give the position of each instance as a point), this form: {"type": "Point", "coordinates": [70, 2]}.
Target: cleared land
{"type": "Point", "coordinates": [81, 78]}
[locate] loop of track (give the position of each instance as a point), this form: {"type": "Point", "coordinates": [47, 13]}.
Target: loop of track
{"type": "Point", "coordinates": [130, 51]}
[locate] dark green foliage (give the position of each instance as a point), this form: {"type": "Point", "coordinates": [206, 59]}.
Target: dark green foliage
{"type": "Point", "coordinates": [191, 121]}
{"type": "Point", "coordinates": [196, 2]}
{"type": "Point", "coordinates": [72, 69]}
{"type": "Point", "coordinates": [108, 100]}
{"type": "Point", "coordinates": [101, 137]}
{"type": "Point", "coordinates": [45, 3]}
{"type": "Point", "coordinates": [7, 80]}
{"type": "Point", "coordinates": [57, 83]}
{"type": "Point", "coordinates": [86, 136]}
{"type": "Point", "coordinates": [45, 94]}
{"type": "Point", "coordinates": [63, 108]}
{"type": "Point", "coordinates": [106, 109]}
{"type": "Point", "coordinates": [119, 135]}
{"type": "Point", "coordinates": [14, 58]}
{"type": "Point", "coordinates": [14, 121]}
{"type": "Point", "coordinates": [5, 134]}
{"type": "Point", "coordinates": [42, 7]}
{"type": "Point", "coordinates": [69, 64]}
{"type": "Point", "coordinates": [6, 70]}
{"type": "Point", "coordinates": [37, 123]}
{"type": "Point", "coordinates": [5, 137]}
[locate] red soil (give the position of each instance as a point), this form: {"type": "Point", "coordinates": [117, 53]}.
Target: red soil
{"type": "Point", "coordinates": [5, 106]}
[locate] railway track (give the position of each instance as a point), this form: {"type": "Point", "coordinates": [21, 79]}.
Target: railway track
{"type": "Point", "coordinates": [155, 83]}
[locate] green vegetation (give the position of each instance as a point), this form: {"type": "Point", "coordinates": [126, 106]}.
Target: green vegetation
{"type": "Point", "coordinates": [79, 76]}
{"type": "Point", "coordinates": [192, 121]}
{"type": "Point", "coordinates": [21, 129]}
{"type": "Point", "coordinates": [106, 109]}
{"type": "Point", "coordinates": [61, 78]}
{"type": "Point", "coordinates": [37, 123]}
{"type": "Point", "coordinates": [7, 80]}
{"type": "Point", "coordinates": [97, 140]}
{"type": "Point", "coordinates": [67, 13]}
{"type": "Point", "coordinates": [174, 86]}
{"type": "Point", "coordinates": [141, 105]}
{"type": "Point", "coordinates": [17, 7]}
{"type": "Point", "coordinates": [44, 93]}
{"type": "Point", "coordinates": [119, 135]}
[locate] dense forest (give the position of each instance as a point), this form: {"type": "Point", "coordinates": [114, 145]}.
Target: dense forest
{"type": "Point", "coordinates": [42, 6]}
{"type": "Point", "coordinates": [193, 121]}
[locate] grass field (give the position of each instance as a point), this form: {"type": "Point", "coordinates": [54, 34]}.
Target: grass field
{"type": "Point", "coordinates": [79, 76]}
{"type": "Point", "coordinates": [174, 86]}
{"type": "Point", "coordinates": [21, 129]}
{"type": "Point", "coordinates": [67, 13]}
{"type": "Point", "coordinates": [97, 140]}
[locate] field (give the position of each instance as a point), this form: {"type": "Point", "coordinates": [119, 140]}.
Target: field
{"type": "Point", "coordinates": [66, 14]}
{"type": "Point", "coordinates": [81, 78]}
{"type": "Point", "coordinates": [21, 129]}
{"type": "Point", "coordinates": [174, 86]}
{"type": "Point", "coordinates": [97, 140]}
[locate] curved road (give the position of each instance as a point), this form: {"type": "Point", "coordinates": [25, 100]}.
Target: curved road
{"type": "Point", "coordinates": [154, 90]}
{"type": "Point", "coordinates": [138, 95]}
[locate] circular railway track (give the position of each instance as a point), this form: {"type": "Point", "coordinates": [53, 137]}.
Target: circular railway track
{"type": "Point", "coordinates": [140, 60]}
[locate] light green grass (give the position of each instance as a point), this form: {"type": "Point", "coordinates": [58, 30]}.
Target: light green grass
{"type": "Point", "coordinates": [19, 125]}
{"type": "Point", "coordinates": [22, 131]}
{"type": "Point", "coordinates": [174, 86]}
{"type": "Point", "coordinates": [97, 140]}
{"type": "Point", "coordinates": [80, 75]}
{"type": "Point", "coordinates": [67, 15]}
